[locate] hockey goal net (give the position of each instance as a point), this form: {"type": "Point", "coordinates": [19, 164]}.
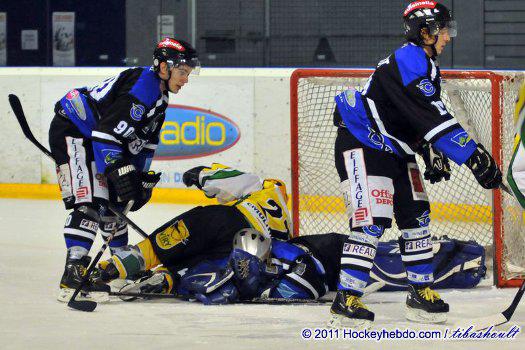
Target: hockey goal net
{"type": "Point", "coordinates": [483, 102]}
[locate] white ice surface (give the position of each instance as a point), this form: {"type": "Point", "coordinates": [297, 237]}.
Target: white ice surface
{"type": "Point", "coordinates": [32, 255]}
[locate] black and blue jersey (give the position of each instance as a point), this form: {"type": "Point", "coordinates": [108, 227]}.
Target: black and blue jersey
{"type": "Point", "coordinates": [122, 116]}
{"type": "Point", "coordinates": [400, 108]}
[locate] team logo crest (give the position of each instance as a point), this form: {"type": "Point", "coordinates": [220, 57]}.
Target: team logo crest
{"type": "Point", "coordinates": [110, 155]}
{"type": "Point", "coordinates": [461, 138]}
{"type": "Point", "coordinates": [426, 87]}
{"type": "Point", "coordinates": [137, 111]}
{"type": "Point", "coordinates": [350, 97]}
{"type": "Point", "coordinates": [378, 140]}
{"type": "Point", "coordinates": [424, 219]}
{"type": "Point", "coordinates": [173, 235]}
{"type": "Point", "coordinates": [374, 230]}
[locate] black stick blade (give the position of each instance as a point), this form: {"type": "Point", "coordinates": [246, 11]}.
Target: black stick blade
{"type": "Point", "coordinates": [82, 305]}
{"type": "Point", "coordinates": [14, 101]}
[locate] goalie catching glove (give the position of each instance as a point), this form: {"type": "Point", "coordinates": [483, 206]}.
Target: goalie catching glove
{"type": "Point", "coordinates": [484, 168]}
{"type": "Point", "coordinates": [437, 165]}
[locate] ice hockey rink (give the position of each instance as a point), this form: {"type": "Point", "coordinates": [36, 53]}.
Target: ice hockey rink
{"type": "Point", "coordinates": [31, 261]}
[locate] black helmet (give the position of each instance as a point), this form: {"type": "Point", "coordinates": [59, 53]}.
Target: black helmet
{"type": "Point", "coordinates": [175, 52]}
{"type": "Point", "coordinates": [430, 15]}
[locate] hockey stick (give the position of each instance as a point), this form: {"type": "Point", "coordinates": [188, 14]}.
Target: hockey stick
{"type": "Point", "coordinates": [122, 216]}
{"type": "Point", "coordinates": [267, 301]}
{"type": "Point", "coordinates": [14, 101]}
{"type": "Point", "coordinates": [85, 305]}
{"type": "Point", "coordinates": [481, 323]}
{"type": "Point", "coordinates": [89, 305]}
{"type": "Point", "coordinates": [498, 319]}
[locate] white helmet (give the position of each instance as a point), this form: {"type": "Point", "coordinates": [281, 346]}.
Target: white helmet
{"type": "Point", "coordinates": [253, 242]}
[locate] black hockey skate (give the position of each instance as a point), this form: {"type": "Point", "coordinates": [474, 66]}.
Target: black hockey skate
{"type": "Point", "coordinates": [74, 273]}
{"type": "Point", "coordinates": [425, 305]}
{"type": "Point", "coordinates": [349, 311]}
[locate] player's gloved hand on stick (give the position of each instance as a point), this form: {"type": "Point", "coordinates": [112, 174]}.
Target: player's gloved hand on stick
{"type": "Point", "coordinates": [484, 168]}
{"type": "Point", "coordinates": [437, 165]}
{"type": "Point", "coordinates": [148, 180]}
{"type": "Point", "coordinates": [191, 177]}
{"type": "Point", "coordinates": [123, 179]}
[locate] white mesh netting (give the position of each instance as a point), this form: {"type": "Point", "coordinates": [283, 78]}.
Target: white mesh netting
{"type": "Point", "coordinates": [460, 207]}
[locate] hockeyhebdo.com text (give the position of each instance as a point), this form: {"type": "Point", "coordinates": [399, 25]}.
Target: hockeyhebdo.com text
{"type": "Point", "coordinates": [323, 334]}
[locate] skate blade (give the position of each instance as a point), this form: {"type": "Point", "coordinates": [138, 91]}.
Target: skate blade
{"type": "Point", "coordinates": [65, 294]}
{"type": "Point", "coordinates": [421, 316]}
{"type": "Point", "coordinates": [340, 321]}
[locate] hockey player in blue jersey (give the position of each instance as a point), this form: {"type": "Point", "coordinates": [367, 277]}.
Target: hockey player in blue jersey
{"type": "Point", "coordinates": [103, 139]}
{"type": "Point", "coordinates": [399, 113]}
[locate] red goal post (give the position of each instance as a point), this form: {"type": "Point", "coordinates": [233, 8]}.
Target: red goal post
{"type": "Point", "coordinates": [461, 209]}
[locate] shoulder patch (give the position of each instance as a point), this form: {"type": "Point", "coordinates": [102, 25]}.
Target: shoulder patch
{"type": "Point", "coordinates": [412, 63]}
{"type": "Point", "coordinates": [426, 87]}
{"type": "Point", "coordinates": [146, 88]}
{"type": "Point", "coordinates": [137, 111]}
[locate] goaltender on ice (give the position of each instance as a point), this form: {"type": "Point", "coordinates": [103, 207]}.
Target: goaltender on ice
{"type": "Point", "coordinates": [400, 113]}
{"type": "Point", "coordinates": [103, 139]}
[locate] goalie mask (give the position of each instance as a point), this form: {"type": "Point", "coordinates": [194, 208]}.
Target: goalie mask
{"type": "Point", "coordinates": [430, 15]}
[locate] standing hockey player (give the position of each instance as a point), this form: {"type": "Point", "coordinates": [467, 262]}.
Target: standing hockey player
{"type": "Point", "coordinates": [103, 139]}
{"type": "Point", "coordinates": [399, 113]}
{"type": "Point", "coordinates": [516, 173]}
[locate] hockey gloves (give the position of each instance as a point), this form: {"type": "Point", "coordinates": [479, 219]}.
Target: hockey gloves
{"type": "Point", "coordinates": [191, 177]}
{"type": "Point", "coordinates": [437, 165]}
{"type": "Point", "coordinates": [122, 180]}
{"type": "Point", "coordinates": [484, 168]}
{"type": "Point", "coordinates": [148, 181]}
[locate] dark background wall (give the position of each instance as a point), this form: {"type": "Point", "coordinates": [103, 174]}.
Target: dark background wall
{"type": "Point", "coordinates": [266, 33]}
{"type": "Point", "coordinates": [99, 31]}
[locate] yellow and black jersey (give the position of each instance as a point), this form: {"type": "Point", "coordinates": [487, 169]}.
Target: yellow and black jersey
{"type": "Point", "coordinates": [261, 202]}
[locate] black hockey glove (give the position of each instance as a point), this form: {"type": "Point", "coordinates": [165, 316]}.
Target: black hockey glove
{"type": "Point", "coordinates": [437, 165]}
{"type": "Point", "coordinates": [484, 168]}
{"type": "Point", "coordinates": [148, 181]}
{"type": "Point", "coordinates": [191, 177]}
{"type": "Point", "coordinates": [123, 180]}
